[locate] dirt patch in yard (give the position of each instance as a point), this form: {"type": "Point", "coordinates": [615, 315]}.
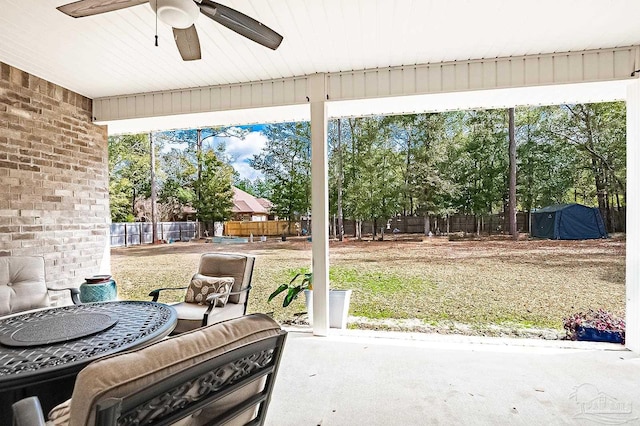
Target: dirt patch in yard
{"type": "Point", "coordinates": [491, 286]}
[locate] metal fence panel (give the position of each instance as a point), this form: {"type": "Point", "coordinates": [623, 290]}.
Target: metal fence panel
{"type": "Point", "coordinates": [136, 233]}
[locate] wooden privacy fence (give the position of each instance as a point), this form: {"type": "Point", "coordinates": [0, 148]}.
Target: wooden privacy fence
{"type": "Point", "coordinates": [489, 224]}
{"type": "Point", "coordinates": [135, 233]}
{"type": "Point", "coordinates": [269, 227]}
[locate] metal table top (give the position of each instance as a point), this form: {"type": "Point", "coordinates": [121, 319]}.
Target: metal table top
{"type": "Point", "coordinates": [29, 356]}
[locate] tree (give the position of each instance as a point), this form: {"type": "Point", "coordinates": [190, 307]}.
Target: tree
{"type": "Point", "coordinates": [369, 174]}
{"type": "Point", "coordinates": [483, 161]}
{"type": "Point", "coordinates": [513, 225]}
{"type": "Point", "coordinates": [285, 162]}
{"type": "Point", "coordinates": [421, 140]}
{"type": "Point", "coordinates": [246, 185]}
{"type": "Point", "coordinates": [336, 174]}
{"type": "Point", "coordinates": [184, 165]}
{"type": "Point", "coordinates": [419, 164]}
{"type": "Point", "coordinates": [216, 192]}
{"type": "Point", "coordinates": [357, 169]}
{"type": "Point", "coordinates": [177, 188]}
{"type": "Point", "coordinates": [129, 174]}
{"type": "Point", "coordinates": [382, 176]}
{"type": "Point", "coordinates": [597, 131]}
{"type": "Point", "coordinates": [546, 169]}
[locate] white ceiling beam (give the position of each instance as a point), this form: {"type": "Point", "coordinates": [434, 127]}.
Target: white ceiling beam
{"type": "Point", "coordinates": [386, 87]}
{"type": "Point", "coordinates": [500, 73]}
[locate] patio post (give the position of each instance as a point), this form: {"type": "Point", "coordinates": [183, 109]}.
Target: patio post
{"type": "Point", "coordinates": [633, 218]}
{"type": "Point", "coordinates": [319, 205]}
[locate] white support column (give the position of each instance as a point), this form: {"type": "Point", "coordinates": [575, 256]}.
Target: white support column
{"type": "Point", "coordinates": [319, 205]}
{"type": "Point", "coordinates": [633, 218]}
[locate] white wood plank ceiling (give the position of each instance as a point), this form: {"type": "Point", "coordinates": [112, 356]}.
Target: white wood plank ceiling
{"type": "Point", "coordinates": [114, 54]}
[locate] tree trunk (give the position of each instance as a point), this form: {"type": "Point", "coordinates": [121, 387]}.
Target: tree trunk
{"type": "Point", "coordinates": [611, 213]}
{"type": "Point", "coordinates": [595, 166]}
{"type": "Point", "coordinates": [133, 204]}
{"type": "Point", "coordinates": [513, 224]}
{"type": "Point", "coordinates": [408, 165]}
{"type": "Point", "coordinates": [427, 224]}
{"type": "Point", "coordinates": [491, 224]}
{"type": "Point", "coordinates": [618, 210]}
{"type": "Point", "coordinates": [154, 190]}
{"type": "Point", "coordinates": [334, 227]}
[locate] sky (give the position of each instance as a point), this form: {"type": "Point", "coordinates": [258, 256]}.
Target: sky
{"type": "Point", "coordinates": [239, 150]}
{"type": "Point", "coordinates": [242, 150]}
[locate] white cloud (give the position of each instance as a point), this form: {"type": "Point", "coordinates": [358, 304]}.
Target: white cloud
{"type": "Point", "coordinates": [239, 150]}
{"type": "Point", "coordinates": [242, 150]}
{"type": "Point", "coordinates": [246, 171]}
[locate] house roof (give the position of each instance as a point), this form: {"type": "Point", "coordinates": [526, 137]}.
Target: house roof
{"type": "Point", "coordinates": [265, 203]}
{"type": "Point", "coordinates": [244, 202]}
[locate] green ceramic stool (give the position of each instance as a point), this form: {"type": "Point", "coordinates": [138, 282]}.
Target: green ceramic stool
{"type": "Point", "coordinates": [99, 288]}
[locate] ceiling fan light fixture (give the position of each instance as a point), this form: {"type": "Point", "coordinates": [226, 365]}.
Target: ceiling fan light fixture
{"type": "Point", "coordinates": [181, 16]}
{"type": "Point", "coordinates": [176, 13]}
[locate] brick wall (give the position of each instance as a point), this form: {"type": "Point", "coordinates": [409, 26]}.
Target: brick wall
{"type": "Point", "coordinates": [54, 197]}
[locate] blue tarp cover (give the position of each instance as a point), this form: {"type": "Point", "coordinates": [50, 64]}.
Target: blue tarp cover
{"type": "Point", "coordinates": [568, 222]}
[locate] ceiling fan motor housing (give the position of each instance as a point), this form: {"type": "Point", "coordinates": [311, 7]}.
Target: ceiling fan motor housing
{"type": "Point", "coordinates": [176, 13]}
{"type": "Point", "coordinates": [181, 16]}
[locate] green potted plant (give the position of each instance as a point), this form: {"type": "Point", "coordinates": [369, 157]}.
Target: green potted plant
{"type": "Point", "coordinates": [596, 326]}
{"type": "Point", "coordinates": [339, 300]}
{"type": "Point", "coordinates": [300, 282]}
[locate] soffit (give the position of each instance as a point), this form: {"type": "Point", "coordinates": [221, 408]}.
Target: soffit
{"type": "Point", "coordinates": [113, 54]}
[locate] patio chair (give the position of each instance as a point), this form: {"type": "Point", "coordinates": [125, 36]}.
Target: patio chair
{"type": "Point", "coordinates": [219, 374]}
{"type": "Point", "coordinates": [217, 292]}
{"type": "Point", "coordinates": [23, 286]}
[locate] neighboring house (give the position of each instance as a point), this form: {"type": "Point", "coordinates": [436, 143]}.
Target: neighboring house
{"type": "Point", "coordinates": [189, 213]}
{"type": "Point", "coordinates": [268, 205]}
{"type": "Point", "coordinates": [246, 207]}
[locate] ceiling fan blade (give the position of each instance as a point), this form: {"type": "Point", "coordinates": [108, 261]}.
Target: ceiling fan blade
{"type": "Point", "coordinates": [83, 8]}
{"type": "Point", "coordinates": [188, 43]}
{"type": "Point", "coordinates": [241, 23]}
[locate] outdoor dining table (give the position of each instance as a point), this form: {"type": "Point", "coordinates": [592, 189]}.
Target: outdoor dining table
{"type": "Point", "coordinates": [42, 351]}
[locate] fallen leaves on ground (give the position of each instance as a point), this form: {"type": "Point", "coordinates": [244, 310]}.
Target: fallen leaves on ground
{"type": "Point", "coordinates": [473, 285]}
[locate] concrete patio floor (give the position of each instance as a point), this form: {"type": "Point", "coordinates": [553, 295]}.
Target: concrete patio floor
{"type": "Point", "coordinates": [383, 378]}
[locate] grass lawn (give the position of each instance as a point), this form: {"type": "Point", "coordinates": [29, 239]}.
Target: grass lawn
{"type": "Point", "coordinates": [491, 286]}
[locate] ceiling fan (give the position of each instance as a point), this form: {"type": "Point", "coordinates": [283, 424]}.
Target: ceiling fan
{"type": "Point", "coordinates": [181, 15]}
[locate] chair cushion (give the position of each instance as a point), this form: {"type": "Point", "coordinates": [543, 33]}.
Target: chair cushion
{"type": "Point", "coordinates": [201, 286]}
{"type": "Point", "coordinates": [22, 284]}
{"type": "Point", "coordinates": [59, 415]}
{"type": "Point", "coordinates": [238, 266]}
{"type": "Point", "coordinates": [127, 373]}
{"type": "Point", "coordinates": [190, 315]}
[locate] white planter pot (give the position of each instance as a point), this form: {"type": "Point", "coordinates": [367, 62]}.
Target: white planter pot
{"type": "Point", "coordinates": [338, 307]}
